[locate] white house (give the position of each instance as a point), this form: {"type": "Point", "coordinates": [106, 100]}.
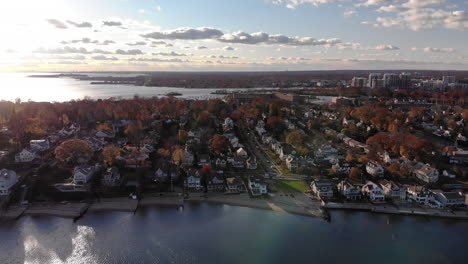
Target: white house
{"type": "Point", "coordinates": [251, 163]}
{"type": "Point", "coordinates": [187, 158]}
{"type": "Point", "coordinates": [374, 192]}
{"type": "Point", "coordinates": [426, 173]}
{"type": "Point", "coordinates": [8, 179]}
{"type": "Point", "coordinates": [374, 169]}
{"type": "Point", "coordinates": [234, 185]}
{"type": "Point", "coordinates": [323, 189]}
{"type": "Point", "coordinates": [393, 190]}
{"type": "Point", "coordinates": [241, 153]}
{"type": "Point", "coordinates": [83, 174]}
{"type": "Point", "coordinates": [216, 183]}
{"type": "Point", "coordinates": [257, 186]}
{"type": "Point", "coordinates": [349, 190]}
{"type": "Point", "coordinates": [193, 180]}
{"type": "Point", "coordinates": [26, 155]}
{"type": "Point", "coordinates": [450, 199]}
{"type": "Point", "coordinates": [419, 194]}
{"type": "Point", "coordinates": [39, 145]}
{"type": "Point", "coordinates": [111, 177]}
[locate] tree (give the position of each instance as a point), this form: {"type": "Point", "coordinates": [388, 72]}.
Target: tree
{"type": "Point", "coordinates": [177, 155]}
{"type": "Point", "coordinates": [295, 138]}
{"type": "Point", "coordinates": [73, 149]}
{"type": "Point", "coordinates": [182, 136]}
{"type": "Point", "coordinates": [355, 174]}
{"type": "Point", "coordinates": [103, 127]}
{"type": "Point", "coordinates": [350, 157]}
{"type": "Point", "coordinates": [219, 143]}
{"type": "Point", "coordinates": [110, 154]}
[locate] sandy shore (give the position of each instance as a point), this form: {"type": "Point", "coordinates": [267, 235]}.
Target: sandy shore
{"type": "Point", "coordinates": [70, 210]}
{"type": "Point", "coordinates": [300, 204]}
{"type": "Point", "coordinates": [162, 201]}
{"type": "Point", "coordinates": [115, 204]}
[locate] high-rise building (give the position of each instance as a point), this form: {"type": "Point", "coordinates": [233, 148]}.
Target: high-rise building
{"type": "Point", "coordinates": [377, 83]}
{"type": "Point", "coordinates": [391, 80]}
{"type": "Point", "coordinates": [405, 81]}
{"type": "Point", "coordinates": [372, 77]}
{"type": "Point", "coordinates": [448, 79]}
{"type": "Point", "coordinates": [358, 82]}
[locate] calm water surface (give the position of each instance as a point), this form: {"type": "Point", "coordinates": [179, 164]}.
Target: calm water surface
{"type": "Point", "coordinates": [227, 234]}
{"type": "Point", "coordinates": [18, 85]}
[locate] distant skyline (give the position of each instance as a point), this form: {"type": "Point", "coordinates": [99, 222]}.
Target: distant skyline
{"type": "Point", "coordinates": [240, 35]}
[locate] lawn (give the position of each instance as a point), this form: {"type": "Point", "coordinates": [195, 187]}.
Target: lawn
{"type": "Point", "coordinates": [292, 186]}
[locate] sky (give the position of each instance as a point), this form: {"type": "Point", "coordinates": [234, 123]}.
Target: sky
{"type": "Point", "coordinates": [232, 35]}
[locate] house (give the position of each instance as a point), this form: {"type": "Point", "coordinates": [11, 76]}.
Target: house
{"type": "Point", "coordinates": [234, 185]}
{"type": "Point", "coordinates": [106, 134]}
{"type": "Point", "coordinates": [111, 177]}
{"type": "Point", "coordinates": [25, 156]}
{"type": "Point", "coordinates": [285, 150]}
{"type": "Point", "coordinates": [449, 174]}
{"type": "Point", "coordinates": [8, 179]}
{"type": "Point", "coordinates": [238, 162]}
{"type": "Point", "coordinates": [251, 163]}
{"type": "Point", "coordinates": [39, 145]}
{"type": "Point", "coordinates": [257, 186]}
{"type": "Point", "coordinates": [220, 163]}
{"type": "Point", "coordinates": [216, 182]}
{"type": "Point", "coordinates": [322, 188]}
{"type": "Point", "coordinates": [419, 194]}
{"type": "Point", "coordinates": [187, 158]}
{"type": "Point", "coordinates": [83, 174]}
{"type": "Point", "coordinates": [374, 169]}
{"type": "Point", "coordinates": [193, 181]}
{"type": "Point", "coordinates": [373, 192]}
{"type": "Point", "coordinates": [393, 191]}
{"type": "Point", "coordinates": [166, 172]}
{"type": "Point", "coordinates": [147, 149]}
{"type": "Point", "coordinates": [341, 168]}
{"type": "Point", "coordinates": [228, 124]}
{"type": "Point", "coordinates": [426, 173]}
{"type": "Point", "coordinates": [349, 190]}
{"type": "Point", "coordinates": [325, 151]}
{"type": "Point", "coordinates": [97, 144]}
{"type": "Point", "coordinates": [389, 158]}
{"type": "Point", "coordinates": [450, 199]}
{"type": "Point", "coordinates": [267, 139]}
{"type": "Point", "coordinates": [241, 153]}
{"type": "Point", "coordinates": [292, 164]}
{"type": "Point", "coordinates": [204, 159]}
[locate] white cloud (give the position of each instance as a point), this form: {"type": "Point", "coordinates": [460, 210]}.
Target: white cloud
{"type": "Point", "coordinates": [112, 23]}
{"type": "Point", "coordinates": [439, 50]}
{"type": "Point", "coordinates": [129, 52]}
{"type": "Point", "coordinates": [172, 53]}
{"type": "Point", "coordinates": [57, 23]}
{"type": "Point", "coordinates": [104, 58]}
{"type": "Point", "coordinates": [80, 25]}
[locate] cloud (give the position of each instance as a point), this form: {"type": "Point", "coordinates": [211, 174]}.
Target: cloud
{"type": "Point", "coordinates": [201, 47]}
{"type": "Point", "coordinates": [172, 53]}
{"type": "Point", "coordinates": [57, 24]}
{"type": "Point", "coordinates": [186, 34]}
{"type": "Point", "coordinates": [238, 37]}
{"type": "Point", "coordinates": [129, 52]}
{"type": "Point", "coordinates": [80, 25]}
{"type": "Point", "coordinates": [439, 50]}
{"type": "Point", "coordinates": [104, 58]}
{"type": "Point", "coordinates": [229, 48]}
{"type": "Point", "coordinates": [77, 57]}
{"type": "Point", "coordinates": [70, 50]}
{"type": "Point", "coordinates": [138, 43]}
{"type": "Point", "coordinates": [294, 3]}
{"type": "Point", "coordinates": [156, 60]}
{"type": "Point", "coordinates": [386, 47]}
{"type": "Point", "coordinates": [107, 42]}
{"type": "Point", "coordinates": [158, 43]}
{"type": "Point", "coordinates": [112, 23]}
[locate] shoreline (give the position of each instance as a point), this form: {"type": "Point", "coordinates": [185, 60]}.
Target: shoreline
{"type": "Point", "coordinates": [300, 205]}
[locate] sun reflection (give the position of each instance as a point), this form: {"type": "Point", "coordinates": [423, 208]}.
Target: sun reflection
{"type": "Point", "coordinates": [38, 253]}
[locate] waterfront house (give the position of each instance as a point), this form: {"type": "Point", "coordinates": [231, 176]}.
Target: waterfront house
{"type": "Point", "coordinates": [419, 194]}
{"type": "Point", "coordinates": [39, 145]}
{"type": "Point", "coordinates": [234, 185]}
{"type": "Point", "coordinates": [349, 190]}
{"type": "Point", "coordinates": [8, 179]}
{"type": "Point", "coordinates": [257, 186]}
{"type": "Point", "coordinates": [166, 172]}
{"type": "Point", "coordinates": [83, 174]}
{"type": "Point", "coordinates": [111, 177]}
{"type": "Point", "coordinates": [450, 199]}
{"type": "Point", "coordinates": [25, 156]}
{"type": "Point", "coordinates": [374, 169]}
{"type": "Point", "coordinates": [216, 182]}
{"type": "Point", "coordinates": [322, 188]}
{"type": "Point", "coordinates": [392, 190]}
{"type": "Point", "coordinates": [193, 181]}
{"type": "Point", "coordinates": [373, 192]}
{"type": "Point", "coordinates": [426, 173]}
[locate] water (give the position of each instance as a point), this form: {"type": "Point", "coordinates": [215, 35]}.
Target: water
{"type": "Point", "coordinates": [228, 234]}
{"type": "Point", "coordinates": [18, 85]}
